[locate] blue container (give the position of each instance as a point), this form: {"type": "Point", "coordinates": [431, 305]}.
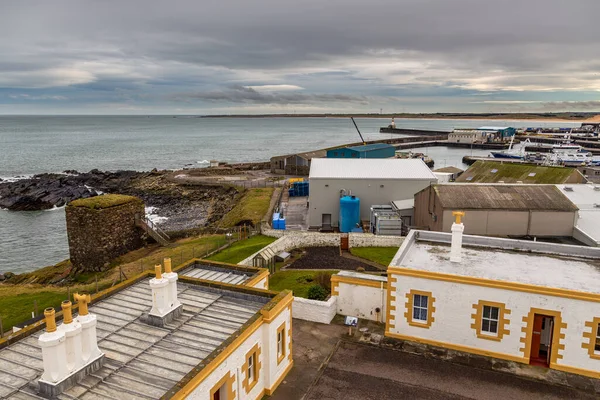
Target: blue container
{"type": "Point", "coordinates": [281, 223]}
{"type": "Point", "coordinates": [275, 223]}
{"type": "Point", "coordinates": [349, 213]}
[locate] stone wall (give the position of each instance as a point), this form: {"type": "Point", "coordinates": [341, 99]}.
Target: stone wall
{"type": "Point", "coordinates": [314, 310]}
{"type": "Point", "coordinates": [370, 240]}
{"type": "Point", "coordinates": [98, 236]}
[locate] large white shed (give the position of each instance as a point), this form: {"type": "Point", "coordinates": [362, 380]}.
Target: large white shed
{"type": "Point", "coordinates": [373, 181]}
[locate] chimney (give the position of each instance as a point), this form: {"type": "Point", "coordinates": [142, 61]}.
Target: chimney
{"type": "Point", "coordinates": [172, 278]}
{"type": "Point", "coordinates": [54, 354]}
{"type": "Point", "coordinates": [457, 232]}
{"type": "Point", "coordinates": [73, 344]}
{"type": "Point", "coordinates": [89, 341]}
{"type": "Point", "coordinates": [160, 293]}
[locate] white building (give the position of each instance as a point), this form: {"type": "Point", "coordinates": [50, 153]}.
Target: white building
{"type": "Point", "coordinates": [587, 224]}
{"type": "Point", "coordinates": [231, 342]}
{"type": "Point", "coordinates": [521, 301]}
{"type": "Point", "coordinates": [373, 181]}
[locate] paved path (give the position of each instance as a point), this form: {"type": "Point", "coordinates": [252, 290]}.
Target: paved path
{"type": "Point", "coordinates": [362, 372]}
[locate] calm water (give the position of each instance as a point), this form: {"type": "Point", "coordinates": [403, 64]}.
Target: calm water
{"type": "Point", "coordinates": [36, 144]}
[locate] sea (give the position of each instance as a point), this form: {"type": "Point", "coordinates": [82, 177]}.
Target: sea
{"type": "Point", "coordinates": [37, 144]}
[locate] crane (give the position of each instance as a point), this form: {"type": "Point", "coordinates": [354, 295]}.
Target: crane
{"type": "Point", "coordinates": [359, 134]}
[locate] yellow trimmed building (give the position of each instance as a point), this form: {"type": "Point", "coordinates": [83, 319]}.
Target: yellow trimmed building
{"type": "Point", "coordinates": [522, 301]}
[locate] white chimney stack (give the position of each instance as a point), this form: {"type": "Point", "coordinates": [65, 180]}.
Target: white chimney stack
{"type": "Point", "coordinates": [172, 277]}
{"type": "Point", "coordinates": [160, 294]}
{"type": "Point", "coordinates": [457, 233]}
{"type": "Point", "coordinates": [89, 341]}
{"type": "Point", "coordinates": [72, 330]}
{"type": "Point", "coordinates": [54, 353]}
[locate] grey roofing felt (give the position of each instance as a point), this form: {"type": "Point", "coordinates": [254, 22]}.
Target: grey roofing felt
{"type": "Point", "coordinates": [142, 361]}
{"type": "Point", "coordinates": [212, 273]}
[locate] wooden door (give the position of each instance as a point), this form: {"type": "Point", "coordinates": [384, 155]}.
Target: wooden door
{"type": "Point", "coordinates": [345, 243]}
{"type": "Point", "coordinates": [536, 336]}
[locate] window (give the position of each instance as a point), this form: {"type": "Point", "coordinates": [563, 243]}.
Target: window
{"type": "Point", "coordinates": [419, 308]}
{"type": "Point", "coordinates": [251, 368]}
{"type": "Point", "coordinates": [281, 343]}
{"type": "Point", "coordinates": [489, 320]}
{"type": "Point", "coordinates": [597, 344]}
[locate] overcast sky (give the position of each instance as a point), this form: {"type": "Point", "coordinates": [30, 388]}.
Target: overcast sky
{"type": "Point", "coordinates": [274, 56]}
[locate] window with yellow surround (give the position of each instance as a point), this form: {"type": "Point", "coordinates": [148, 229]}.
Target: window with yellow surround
{"type": "Point", "coordinates": [489, 320]}
{"type": "Point", "coordinates": [419, 308]}
{"type": "Point", "coordinates": [251, 368]}
{"type": "Point", "coordinates": [593, 338]}
{"type": "Point", "coordinates": [280, 343]}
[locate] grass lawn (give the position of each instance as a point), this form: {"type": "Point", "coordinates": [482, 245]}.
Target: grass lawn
{"type": "Point", "coordinates": [297, 281]}
{"type": "Point", "coordinates": [380, 255]}
{"type": "Point", "coordinates": [252, 207]}
{"type": "Point", "coordinates": [242, 249]}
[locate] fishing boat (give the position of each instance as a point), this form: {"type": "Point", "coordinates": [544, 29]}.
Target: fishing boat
{"type": "Point", "coordinates": [511, 153]}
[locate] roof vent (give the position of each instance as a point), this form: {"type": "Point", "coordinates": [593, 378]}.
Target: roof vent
{"type": "Point", "coordinates": [596, 205]}
{"type": "Point", "coordinates": [597, 188]}
{"type": "Point", "coordinates": [519, 181]}
{"type": "Point", "coordinates": [568, 188]}
{"type": "Point", "coordinates": [494, 171]}
{"type": "Point", "coordinates": [531, 175]}
{"type": "Point", "coordinates": [470, 178]}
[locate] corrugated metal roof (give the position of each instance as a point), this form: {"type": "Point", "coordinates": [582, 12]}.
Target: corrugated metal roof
{"type": "Point", "coordinates": [370, 147]}
{"type": "Point", "coordinates": [370, 168]}
{"type": "Point", "coordinates": [503, 197]}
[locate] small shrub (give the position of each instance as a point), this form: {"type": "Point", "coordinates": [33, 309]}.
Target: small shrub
{"type": "Point", "coordinates": [360, 269]}
{"type": "Point", "coordinates": [317, 292]}
{"type": "Point", "coordinates": [324, 279]}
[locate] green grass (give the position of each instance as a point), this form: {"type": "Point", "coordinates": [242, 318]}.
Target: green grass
{"type": "Point", "coordinates": [380, 255]}
{"type": "Point", "coordinates": [104, 201]}
{"type": "Point", "coordinates": [481, 171]}
{"type": "Point", "coordinates": [296, 281]}
{"type": "Point", "coordinates": [252, 207]}
{"type": "Point", "coordinates": [242, 249]}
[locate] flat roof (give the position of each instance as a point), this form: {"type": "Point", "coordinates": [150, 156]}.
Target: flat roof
{"type": "Point", "coordinates": [370, 168]}
{"type": "Point", "coordinates": [215, 273]}
{"type": "Point", "coordinates": [586, 197]}
{"type": "Point", "coordinates": [502, 197]}
{"type": "Point", "coordinates": [142, 361]}
{"type": "Point", "coordinates": [352, 274]}
{"type": "Point", "coordinates": [403, 204]}
{"type": "Point", "coordinates": [369, 147]}
{"type": "Point", "coordinates": [535, 263]}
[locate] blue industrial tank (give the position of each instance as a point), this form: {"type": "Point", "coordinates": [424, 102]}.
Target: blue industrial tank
{"type": "Point", "coordinates": [349, 213]}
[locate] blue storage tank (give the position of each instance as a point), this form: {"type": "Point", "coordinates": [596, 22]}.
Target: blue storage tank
{"type": "Point", "coordinates": [349, 213]}
{"type": "Point", "coordinates": [281, 223]}
{"type": "Point", "coordinates": [275, 223]}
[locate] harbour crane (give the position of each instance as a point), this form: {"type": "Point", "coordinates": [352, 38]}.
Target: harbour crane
{"type": "Point", "coordinates": [358, 130]}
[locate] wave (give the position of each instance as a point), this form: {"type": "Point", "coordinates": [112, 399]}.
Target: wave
{"type": "Point", "coordinates": [56, 208]}
{"type": "Point", "coordinates": [15, 178]}
{"type": "Point", "coordinates": [155, 218]}
{"type": "Point", "coordinates": [203, 162]}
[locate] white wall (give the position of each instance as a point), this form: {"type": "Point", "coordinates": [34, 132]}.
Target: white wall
{"type": "Point", "coordinates": [266, 336]}
{"type": "Point", "coordinates": [361, 301]}
{"type": "Point", "coordinates": [454, 306]}
{"type": "Point", "coordinates": [314, 310]}
{"type": "Point", "coordinates": [324, 199]}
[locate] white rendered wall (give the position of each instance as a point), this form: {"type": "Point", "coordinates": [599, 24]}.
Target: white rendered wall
{"type": "Point", "coordinates": [315, 310]}
{"type": "Point", "coordinates": [361, 301]}
{"type": "Point", "coordinates": [266, 336]}
{"type": "Point", "coordinates": [324, 199]}
{"type": "Point", "coordinates": [454, 306]}
{"type": "Point", "coordinates": [262, 284]}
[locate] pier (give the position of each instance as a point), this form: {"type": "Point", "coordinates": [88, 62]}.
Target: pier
{"type": "Point", "coordinates": [407, 131]}
{"type": "Point", "coordinates": [446, 143]}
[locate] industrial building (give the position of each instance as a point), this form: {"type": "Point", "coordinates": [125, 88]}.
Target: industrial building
{"type": "Point", "coordinates": [499, 172]}
{"type": "Point", "coordinates": [295, 164]}
{"type": "Point", "coordinates": [370, 181]}
{"type": "Point", "coordinates": [497, 210]}
{"type": "Point", "coordinates": [484, 134]}
{"type": "Point", "coordinates": [375, 150]}
{"type": "Point", "coordinates": [205, 334]}
{"type": "Point", "coordinates": [513, 302]}
{"type": "Point", "coordinates": [502, 132]}
{"type": "Point", "coordinates": [587, 198]}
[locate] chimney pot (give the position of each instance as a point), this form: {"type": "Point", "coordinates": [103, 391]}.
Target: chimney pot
{"type": "Point", "coordinates": [49, 314]}
{"type": "Point", "coordinates": [67, 312]}
{"type": "Point", "coordinates": [167, 262]}
{"type": "Point", "coordinates": [157, 270]}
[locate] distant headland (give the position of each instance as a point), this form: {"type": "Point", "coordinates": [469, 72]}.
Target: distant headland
{"type": "Point", "coordinates": [557, 116]}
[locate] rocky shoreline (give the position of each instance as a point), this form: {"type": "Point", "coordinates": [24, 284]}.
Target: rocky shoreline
{"type": "Point", "coordinates": [186, 206]}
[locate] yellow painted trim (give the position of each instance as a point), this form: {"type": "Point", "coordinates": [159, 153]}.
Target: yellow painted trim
{"type": "Point", "coordinates": [281, 330]}
{"type": "Point", "coordinates": [522, 287]}
{"type": "Point", "coordinates": [357, 281]}
{"type": "Point", "coordinates": [229, 378]}
{"type": "Point", "coordinates": [502, 320]}
{"type": "Point", "coordinates": [289, 332]}
{"type": "Point", "coordinates": [591, 338]}
{"type": "Point", "coordinates": [271, 314]}
{"type": "Point", "coordinates": [206, 371]}
{"type": "Point", "coordinates": [408, 314]}
{"type": "Point", "coordinates": [334, 287]}
{"type": "Point", "coordinates": [466, 349]}
{"type": "Point", "coordinates": [390, 306]}
{"type": "Point", "coordinates": [261, 394]}
{"type": "Point", "coordinates": [557, 335]}
{"type": "Point", "coordinates": [578, 371]}
{"type": "Point", "coordinates": [254, 352]}
{"type": "Point", "coordinates": [264, 273]}
{"type": "Point", "coordinates": [270, 391]}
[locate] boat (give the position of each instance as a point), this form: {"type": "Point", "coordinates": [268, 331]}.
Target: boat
{"type": "Point", "coordinates": [511, 153]}
{"type": "Point", "coordinates": [570, 158]}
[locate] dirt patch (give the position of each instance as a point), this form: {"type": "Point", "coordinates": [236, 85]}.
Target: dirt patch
{"type": "Point", "coordinates": [325, 258]}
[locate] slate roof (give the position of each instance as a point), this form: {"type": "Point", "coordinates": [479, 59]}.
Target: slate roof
{"type": "Point", "coordinates": [503, 197]}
